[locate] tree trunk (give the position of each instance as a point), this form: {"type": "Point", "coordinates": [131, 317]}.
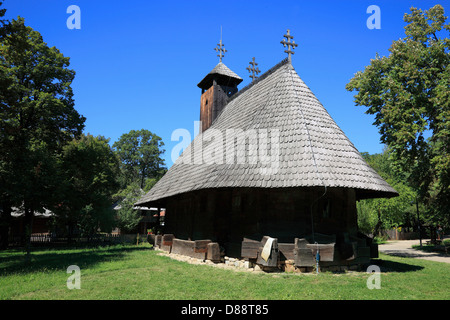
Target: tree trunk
{"type": "Point", "coordinates": [378, 225]}
{"type": "Point", "coordinates": [5, 223]}
{"type": "Point", "coordinates": [142, 180]}
{"type": "Point", "coordinates": [29, 212]}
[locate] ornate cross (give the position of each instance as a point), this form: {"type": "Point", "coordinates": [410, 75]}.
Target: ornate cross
{"type": "Point", "coordinates": [290, 45]}
{"type": "Point", "coordinates": [220, 47]}
{"type": "Point", "coordinates": [253, 70]}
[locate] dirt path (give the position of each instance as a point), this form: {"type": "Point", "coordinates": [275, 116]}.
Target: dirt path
{"type": "Point", "coordinates": [403, 248]}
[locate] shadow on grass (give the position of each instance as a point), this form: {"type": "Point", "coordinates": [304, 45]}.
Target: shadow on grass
{"type": "Point", "coordinates": [438, 250]}
{"type": "Point", "coordinates": [394, 266]}
{"type": "Point", "coordinates": [14, 261]}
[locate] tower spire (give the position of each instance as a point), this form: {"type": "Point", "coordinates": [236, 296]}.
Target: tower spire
{"type": "Point", "coordinates": [220, 47]}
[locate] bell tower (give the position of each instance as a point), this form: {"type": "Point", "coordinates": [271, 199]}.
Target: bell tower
{"type": "Point", "coordinates": [217, 86]}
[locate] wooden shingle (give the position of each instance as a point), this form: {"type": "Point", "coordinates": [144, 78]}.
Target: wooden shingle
{"type": "Point", "coordinates": [312, 150]}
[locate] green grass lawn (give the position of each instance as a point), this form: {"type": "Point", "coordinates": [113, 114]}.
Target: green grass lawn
{"type": "Point", "coordinates": [136, 272]}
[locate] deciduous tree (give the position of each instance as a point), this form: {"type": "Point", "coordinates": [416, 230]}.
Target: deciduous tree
{"type": "Point", "coordinates": [140, 155]}
{"type": "Point", "coordinates": [89, 170]}
{"type": "Point", "coordinates": [37, 117]}
{"type": "Point", "coordinates": [408, 92]}
{"type": "Point", "coordinates": [127, 217]}
{"type": "Point", "coordinates": [377, 214]}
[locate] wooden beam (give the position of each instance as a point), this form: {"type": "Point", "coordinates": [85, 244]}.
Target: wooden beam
{"type": "Point", "coordinates": [201, 246]}
{"type": "Point", "coordinates": [286, 251]}
{"type": "Point", "coordinates": [326, 251]}
{"type": "Point", "coordinates": [186, 248]}
{"type": "Point", "coordinates": [274, 254]}
{"type": "Point", "coordinates": [213, 252]}
{"type": "Point", "coordinates": [249, 248]}
{"type": "Point", "coordinates": [303, 257]}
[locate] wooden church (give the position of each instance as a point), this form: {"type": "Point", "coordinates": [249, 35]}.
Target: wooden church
{"type": "Point", "coordinates": [270, 171]}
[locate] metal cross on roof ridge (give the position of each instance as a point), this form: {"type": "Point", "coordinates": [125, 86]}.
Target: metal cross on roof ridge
{"type": "Point", "coordinates": [220, 47]}
{"type": "Point", "coordinates": [289, 44]}
{"type": "Point", "coordinates": [253, 70]}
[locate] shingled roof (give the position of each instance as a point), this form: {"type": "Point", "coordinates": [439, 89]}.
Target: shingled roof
{"type": "Point", "coordinates": [220, 70]}
{"type": "Point", "coordinates": [312, 150]}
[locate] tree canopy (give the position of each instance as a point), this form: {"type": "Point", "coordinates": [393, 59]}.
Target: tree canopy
{"type": "Point", "coordinates": [127, 217]}
{"type": "Point", "coordinates": [89, 170]}
{"type": "Point", "coordinates": [46, 161]}
{"type": "Point", "coordinates": [37, 117]}
{"type": "Point", "coordinates": [2, 14]}
{"type": "Point", "coordinates": [140, 155]}
{"type": "Point", "coordinates": [141, 164]}
{"type": "Point", "coordinates": [377, 214]}
{"type": "Point", "coordinates": [37, 111]}
{"type": "Point", "coordinates": [408, 93]}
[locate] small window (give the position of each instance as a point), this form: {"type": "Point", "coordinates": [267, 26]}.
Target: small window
{"type": "Point", "coordinates": [206, 102]}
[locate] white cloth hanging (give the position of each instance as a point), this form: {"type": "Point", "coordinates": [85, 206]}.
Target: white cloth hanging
{"type": "Point", "coordinates": [265, 254]}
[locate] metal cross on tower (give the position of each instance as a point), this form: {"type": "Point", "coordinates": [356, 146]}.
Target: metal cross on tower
{"type": "Point", "coordinates": [290, 45]}
{"type": "Point", "coordinates": [220, 47]}
{"type": "Point", "coordinates": [254, 71]}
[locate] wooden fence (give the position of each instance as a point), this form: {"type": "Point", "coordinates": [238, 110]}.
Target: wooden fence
{"type": "Point", "coordinates": [98, 239]}
{"type": "Point", "coordinates": [394, 234]}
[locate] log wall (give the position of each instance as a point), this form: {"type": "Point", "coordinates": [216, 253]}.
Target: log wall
{"type": "Point", "coordinates": [227, 216]}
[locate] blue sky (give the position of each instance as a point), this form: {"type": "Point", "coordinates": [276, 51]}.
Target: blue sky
{"type": "Point", "coordinates": [138, 62]}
